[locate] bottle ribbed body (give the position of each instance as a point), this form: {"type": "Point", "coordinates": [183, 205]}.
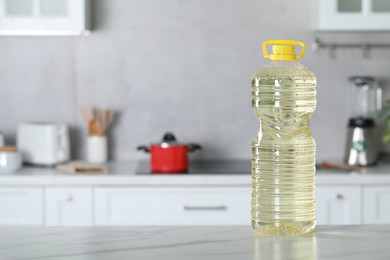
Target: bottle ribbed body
{"type": "Point", "coordinates": [283, 151]}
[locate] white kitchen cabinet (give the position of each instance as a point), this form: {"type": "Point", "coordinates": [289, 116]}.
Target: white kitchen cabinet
{"type": "Point", "coordinates": [338, 205]}
{"type": "Point", "coordinates": [44, 17]}
{"type": "Point", "coordinates": [376, 205]}
{"type": "Point", "coordinates": [43, 196]}
{"type": "Point", "coordinates": [172, 206]}
{"type": "Point", "coordinates": [353, 15]}
{"type": "Point", "coordinates": [68, 206]}
{"type": "Point", "coordinates": [21, 206]}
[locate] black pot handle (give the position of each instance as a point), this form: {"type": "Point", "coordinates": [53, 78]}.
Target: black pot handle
{"type": "Point", "coordinates": [143, 148]}
{"type": "Point", "coordinates": [194, 147]}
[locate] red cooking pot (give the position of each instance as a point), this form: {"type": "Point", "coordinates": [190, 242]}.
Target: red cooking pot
{"type": "Point", "coordinates": [169, 156]}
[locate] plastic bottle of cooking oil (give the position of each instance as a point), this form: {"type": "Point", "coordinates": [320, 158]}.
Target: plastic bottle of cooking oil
{"type": "Point", "coordinates": [283, 151]}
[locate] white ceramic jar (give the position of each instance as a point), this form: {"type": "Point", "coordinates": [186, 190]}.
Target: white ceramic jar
{"type": "Point", "coordinates": [10, 161]}
{"type": "Point", "coordinates": [97, 149]}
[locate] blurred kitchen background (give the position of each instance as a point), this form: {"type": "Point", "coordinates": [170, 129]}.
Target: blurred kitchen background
{"type": "Point", "coordinates": [182, 66]}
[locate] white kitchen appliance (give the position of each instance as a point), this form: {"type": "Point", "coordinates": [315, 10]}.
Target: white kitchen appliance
{"type": "Point", "coordinates": [43, 143]}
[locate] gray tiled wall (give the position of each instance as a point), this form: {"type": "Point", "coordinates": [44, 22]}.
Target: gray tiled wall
{"type": "Point", "coordinates": [178, 65]}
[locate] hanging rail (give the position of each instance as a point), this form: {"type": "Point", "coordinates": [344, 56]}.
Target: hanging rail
{"type": "Point", "coordinates": [365, 47]}
{"type": "Point", "coordinates": [318, 45]}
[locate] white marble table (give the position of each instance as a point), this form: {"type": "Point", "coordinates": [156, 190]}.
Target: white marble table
{"type": "Point", "coordinates": [239, 243]}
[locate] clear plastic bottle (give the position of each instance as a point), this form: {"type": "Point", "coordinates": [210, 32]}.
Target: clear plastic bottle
{"type": "Point", "coordinates": [283, 151]}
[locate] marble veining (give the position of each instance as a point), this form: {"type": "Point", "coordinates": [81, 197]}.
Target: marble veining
{"type": "Point", "coordinates": [327, 242]}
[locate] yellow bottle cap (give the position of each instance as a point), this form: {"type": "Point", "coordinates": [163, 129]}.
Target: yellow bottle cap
{"type": "Point", "coordinates": [283, 49]}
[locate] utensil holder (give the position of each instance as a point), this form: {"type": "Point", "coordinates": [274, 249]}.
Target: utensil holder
{"type": "Point", "coordinates": [97, 149]}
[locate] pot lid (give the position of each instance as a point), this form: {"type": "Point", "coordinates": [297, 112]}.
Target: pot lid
{"type": "Point", "coordinates": [361, 80]}
{"type": "Point", "coordinates": [168, 139]}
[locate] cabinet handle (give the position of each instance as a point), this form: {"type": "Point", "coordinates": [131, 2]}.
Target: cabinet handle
{"type": "Point", "coordinates": [340, 196]}
{"type": "Point", "coordinates": [205, 208]}
{"type": "Point", "coordinates": [68, 197]}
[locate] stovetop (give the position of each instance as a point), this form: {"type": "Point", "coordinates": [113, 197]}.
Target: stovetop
{"type": "Point", "coordinates": [207, 167]}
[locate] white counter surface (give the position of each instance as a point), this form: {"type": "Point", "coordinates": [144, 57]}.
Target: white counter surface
{"type": "Point", "coordinates": [123, 173]}
{"type": "Point", "coordinates": [328, 242]}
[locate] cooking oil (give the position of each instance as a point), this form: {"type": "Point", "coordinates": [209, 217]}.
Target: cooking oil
{"type": "Point", "coordinates": [283, 151]}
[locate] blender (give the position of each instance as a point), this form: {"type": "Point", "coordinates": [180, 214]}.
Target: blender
{"type": "Point", "coordinates": [365, 103]}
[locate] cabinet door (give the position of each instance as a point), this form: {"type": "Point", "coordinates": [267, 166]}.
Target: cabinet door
{"type": "Point", "coordinates": [68, 206]}
{"type": "Point", "coordinates": [21, 206]}
{"type": "Point", "coordinates": [338, 205]}
{"type": "Point", "coordinates": [376, 205]}
{"type": "Point", "coordinates": [172, 206]}
{"type": "Point", "coordinates": [44, 17]}
{"type": "Point", "coordinates": [353, 15]}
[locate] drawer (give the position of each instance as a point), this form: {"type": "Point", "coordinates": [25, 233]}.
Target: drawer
{"type": "Point", "coordinates": [338, 205]}
{"type": "Point", "coordinates": [376, 205]}
{"type": "Point", "coordinates": [68, 206]}
{"type": "Point", "coordinates": [21, 206]}
{"type": "Point", "coordinates": [172, 206]}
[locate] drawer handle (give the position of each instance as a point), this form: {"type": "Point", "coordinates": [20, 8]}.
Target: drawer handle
{"type": "Point", "coordinates": [340, 196]}
{"type": "Point", "coordinates": [205, 208]}
{"type": "Point", "coordinates": [68, 197]}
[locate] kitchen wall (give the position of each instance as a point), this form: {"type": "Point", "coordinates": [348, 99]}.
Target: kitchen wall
{"type": "Point", "coordinates": [177, 65]}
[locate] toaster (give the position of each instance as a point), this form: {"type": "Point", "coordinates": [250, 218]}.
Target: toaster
{"type": "Point", "coordinates": [43, 143]}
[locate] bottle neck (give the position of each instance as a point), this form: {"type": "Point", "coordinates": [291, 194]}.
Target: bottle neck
{"type": "Point", "coordinates": [284, 63]}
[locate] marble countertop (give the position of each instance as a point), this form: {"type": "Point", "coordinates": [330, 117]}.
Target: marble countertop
{"type": "Point", "coordinates": [124, 173]}
{"type": "Point", "coordinates": [121, 173]}
{"type": "Point", "coordinates": [327, 242]}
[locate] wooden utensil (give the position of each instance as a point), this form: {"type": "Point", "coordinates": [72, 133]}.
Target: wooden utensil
{"type": "Point", "coordinates": [8, 149]}
{"type": "Point", "coordinates": [95, 128]}
{"type": "Point", "coordinates": [97, 121]}
{"type": "Point", "coordinates": [87, 114]}
{"type": "Point", "coordinates": [341, 166]}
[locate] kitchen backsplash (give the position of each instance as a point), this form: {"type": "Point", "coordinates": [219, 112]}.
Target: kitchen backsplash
{"type": "Point", "coordinates": [182, 66]}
